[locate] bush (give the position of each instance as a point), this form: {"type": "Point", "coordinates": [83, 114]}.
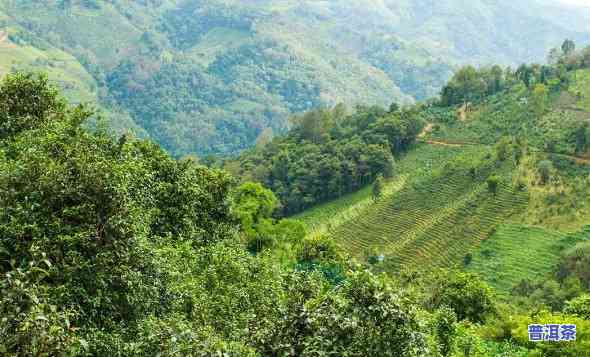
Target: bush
{"type": "Point", "coordinates": [545, 168]}
{"type": "Point", "coordinates": [493, 183]}
{"type": "Point", "coordinates": [579, 306]}
{"type": "Point", "coordinates": [27, 101]}
{"type": "Point", "coordinates": [445, 329]}
{"type": "Point", "coordinates": [576, 263]}
{"type": "Point", "coordinates": [465, 293]}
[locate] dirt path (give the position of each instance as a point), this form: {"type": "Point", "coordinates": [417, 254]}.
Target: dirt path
{"type": "Point", "coordinates": [427, 129]}
{"type": "Point", "coordinates": [4, 42]}
{"type": "Point", "coordinates": [442, 143]}
{"type": "Point", "coordinates": [576, 159]}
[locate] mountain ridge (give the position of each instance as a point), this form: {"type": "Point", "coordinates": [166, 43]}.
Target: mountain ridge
{"type": "Point", "coordinates": [221, 72]}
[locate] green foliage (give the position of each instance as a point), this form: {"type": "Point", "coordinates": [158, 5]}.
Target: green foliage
{"type": "Point", "coordinates": [318, 249]}
{"type": "Point", "coordinates": [582, 134]}
{"type": "Point", "coordinates": [328, 154]}
{"type": "Point", "coordinates": [30, 323]}
{"type": "Point", "coordinates": [365, 316]}
{"type": "Point", "coordinates": [539, 97]}
{"type": "Point", "coordinates": [471, 85]}
{"type": "Point", "coordinates": [504, 149]}
{"type": "Point", "coordinates": [253, 204]}
{"type": "Point", "coordinates": [493, 182]}
{"type": "Point", "coordinates": [27, 102]}
{"type": "Point", "coordinates": [377, 188]}
{"type": "Point", "coordinates": [445, 330]}
{"type": "Point", "coordinates": [502, 262]}
{"type": "Point", "coordinates": [291, 231]}
{"type": "Point", "coordinates": [580, 306]}
{"type": "Point", "coordinates": [576, 263]}
{"type": "Point", "coordinates": [465, 293]}
{"type": "Point", "coordinates": [92, 206]}
{"type": "Point", "coordinates": [579, 348]}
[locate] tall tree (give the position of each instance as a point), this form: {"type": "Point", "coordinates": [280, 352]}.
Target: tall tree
{"type": "Point", "coordinates": [568, 47]}
{"type": "Point", "coordinates": [377, 191]}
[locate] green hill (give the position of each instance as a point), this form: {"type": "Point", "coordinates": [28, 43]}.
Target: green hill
{"type": "Point", "coordinates": [209, 76]}
{"type": "Point", "coordinates": [440, 209]}
{"type": "Point", "coordinates": [516, 251]}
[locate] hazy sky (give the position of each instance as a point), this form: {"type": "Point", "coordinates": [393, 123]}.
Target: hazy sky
{"type": "Point", "coordinates": [574, 2]}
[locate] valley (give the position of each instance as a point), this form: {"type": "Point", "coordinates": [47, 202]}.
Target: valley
{"type": "Point", "coordinates": [211, 76]}
{"type": "Point", "coordinates": [294, 178]}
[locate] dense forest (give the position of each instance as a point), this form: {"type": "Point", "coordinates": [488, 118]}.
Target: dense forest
{"type": "Point", "coordinates": [111, 247]}
{"type": "Point", "coordinates": [214, 76]}
{"type": "Point", "coordinates": [329, 153]}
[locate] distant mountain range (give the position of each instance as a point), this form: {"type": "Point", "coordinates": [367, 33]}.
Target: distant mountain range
{"type": "Point", "coordinates": [210, 76]}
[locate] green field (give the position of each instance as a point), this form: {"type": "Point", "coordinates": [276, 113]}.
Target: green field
{"type": "Point", "coordinates": [436, 214]}
{"type": "Point", "coordinates": [516, 252]}
{"type": "Point", "coordinates": [416, 164]}
{"type": "Point", "coordinates": [433, 213]}
{"type": "Point", "coordinates": [434, 225]}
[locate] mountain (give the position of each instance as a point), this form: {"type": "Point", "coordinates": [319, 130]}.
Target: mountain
{"type": "Point", "coordinates": [211, 76]}
{"type": "Point", "coordinates": [456, 226]}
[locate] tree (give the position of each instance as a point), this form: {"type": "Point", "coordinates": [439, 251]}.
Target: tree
{"type": "Point", "coordinates": [253, 205]}
{"type": "Point", "coordinates": [582, 135]}
{"type": "Point", "coordinates": [467, 85]}
{"type": "Point", "coordinates": [545, 167]}
{"type": "Point", "coordinates": [575, 262]}
{"type": "Point", "coordinates": [579, 306]}
{"type": "Point", "coordinates": [525, 74]}
{"type": "Point", "coordinates": [465, 293]}
{"type": "Point", "coordinates": [445, 329]}
{"type": "Point", "coordinates": [503, 148]}
{"type": "Point", "coordinates": [520, 149]}
{"type": "Point", "coordinates": [497, 79]}
{"type": "Point", "coordinates": [540, 98]}
{"type": "Point", "coordinates": [27, 101]}
{"type": "Point", "coordinates": [366, 316]}
{"type": "Point", "coordinates": [493, 183]}
{"type": "Point", "coordinates": [389, 166]}
{"type": "Point", "coordinates": [378, 188]}
{"type": "Point", "coordinates": [394, 107]}
{"type": "Point", "coordinates": [568, 47]}
{"type": "Point", "coordinates": [318, 249]}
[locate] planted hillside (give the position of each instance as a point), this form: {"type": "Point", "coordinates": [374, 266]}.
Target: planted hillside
{"type": "Point", "coordinates": [109, 246]}
{"type": "Point", "coordinates": [543, 104]}
{"type": "Point", "coordinates": [504, 263]}
{"type": "Point", "coordinates": [436, 218]}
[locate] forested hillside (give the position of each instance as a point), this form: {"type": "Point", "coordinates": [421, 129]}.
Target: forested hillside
{"type": "Point", "coordinates": [109, 247]}
{"type": "Point", "coordinates": [212, 76]}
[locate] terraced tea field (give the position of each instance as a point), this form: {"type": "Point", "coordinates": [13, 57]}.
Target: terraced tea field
{"type": "Point", "coordinates": [410, 169]}
{"type": "Point", "coordinates": [516, 252]}
{"type": "Point", "coordinates": [430, 225]}
{"type": "Point", "coordinates": [435, 211]}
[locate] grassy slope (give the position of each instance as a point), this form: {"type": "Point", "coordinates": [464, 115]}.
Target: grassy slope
{"type": "Point", "coordinates": [516, 251]}
{"type": "Point", "coordinates": [430, 216]}
{"type": "Point", "coordinates": [435, 221]}
{"type": "Point", "coordinates": [416, 163]}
